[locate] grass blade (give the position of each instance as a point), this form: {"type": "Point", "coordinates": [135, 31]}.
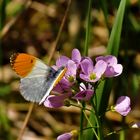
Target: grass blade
{"type": "Point", "coordinates": [103, 91]}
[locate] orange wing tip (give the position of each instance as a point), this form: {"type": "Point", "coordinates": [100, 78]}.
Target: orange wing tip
{"type": "Point", "coordinates": [22, 63]}
{"type": "Point", "coordinates": [13, 58]}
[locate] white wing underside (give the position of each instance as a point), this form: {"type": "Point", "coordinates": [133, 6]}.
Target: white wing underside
{"type": "Point", "coordinates": [37, 85]}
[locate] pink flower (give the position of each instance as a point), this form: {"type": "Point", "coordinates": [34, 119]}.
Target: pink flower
{"type": "Point", "coordinates": [91, 73]}
{"type": "Point", "coordinates": [68, 136]}
{"type": "Point", "coordinates": [65, 136]}
{"type": "Point", "coordinates": [54, 101]}
{"type": "Point", "coordinates": [113, 68]}
{"type": "Point", "coordinates": [122, 105]}
{"type": "Point", "coordinates": [72, 66]}
{"type": "Point", "coordinates": [85, 93]}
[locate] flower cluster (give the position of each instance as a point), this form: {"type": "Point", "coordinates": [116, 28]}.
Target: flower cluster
{"type": "Point", "coordinates": [80, 81]}
{"type": "Point", "coordinates": [81, 76]}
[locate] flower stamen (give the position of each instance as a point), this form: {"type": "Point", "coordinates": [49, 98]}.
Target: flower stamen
{"type": "Point", "coordinates": [92, 76]}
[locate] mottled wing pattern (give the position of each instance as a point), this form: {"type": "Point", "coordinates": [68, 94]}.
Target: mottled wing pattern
{"type": "Point", "coordinates": [33, 89]}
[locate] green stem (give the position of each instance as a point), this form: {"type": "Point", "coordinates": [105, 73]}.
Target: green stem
{"type": "Point", "coordinates": [81, 107]}
{"type": "Point", "coordinates": [122, 135]}
{"type": "Point", "coordinates": [91, 126]}
{"type": "Point", "coordinates": [116, 131]}
{"type": "Point", "coordinates": [86, 54]}
{"type": "Point", "coordinates": [81, 121]}
{"type": "Point", "coordinates": [88, 21]}
{"type": "Point", "coordinates": [97, 118]}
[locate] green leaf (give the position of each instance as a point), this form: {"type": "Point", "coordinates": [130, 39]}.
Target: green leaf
{"type": "Point", "coordinates": [103, 4]}
{"type": "Point", "coordinates": [104, 89]}
{"type": "Point", "coordinates": [88, 22]}
{"type": "Point", "coordinates": [114, 40]}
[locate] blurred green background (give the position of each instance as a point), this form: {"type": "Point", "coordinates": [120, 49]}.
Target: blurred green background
{"type": "Point", "coordinates": [32, 27]}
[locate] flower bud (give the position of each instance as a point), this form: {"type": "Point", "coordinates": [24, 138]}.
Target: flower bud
{"type": "Point", "coordinates": [122, 105]}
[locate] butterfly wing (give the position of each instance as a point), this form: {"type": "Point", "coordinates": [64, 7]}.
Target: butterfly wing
{"type": "Point", "coordinates": [35, 88]}
{"type": "Point", "coordinates": [37, 79]}
{"type": "Point", "coordinates": [34, 76]}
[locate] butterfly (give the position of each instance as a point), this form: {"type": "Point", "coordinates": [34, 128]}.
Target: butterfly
{"type": "Point", "coordinates": [37, 78]}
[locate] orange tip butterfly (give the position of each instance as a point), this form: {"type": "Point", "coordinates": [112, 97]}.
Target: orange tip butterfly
{"type": "Point", "coordinates": [37, 79]}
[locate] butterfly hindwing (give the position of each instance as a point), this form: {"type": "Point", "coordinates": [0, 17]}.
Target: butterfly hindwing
{"type": "Point", "coordinates": [33, 89]}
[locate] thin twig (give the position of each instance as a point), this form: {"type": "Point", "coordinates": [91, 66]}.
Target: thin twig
{"type": "Point", "coordinates": [50, 57]}
{"type": "Point", "coordinates": [59, 32]}
{"type": "Point", "coordinates": [25, 121]}
{"type": "Point", "coordinates": [7, 27]}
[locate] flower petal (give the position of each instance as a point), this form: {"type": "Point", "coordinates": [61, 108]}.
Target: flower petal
{"type": "Point", "coordinates": [54, 101]}
{"type": "Point", "coordinates": [123, 105]}
{"type": "Point", "coordinates": [118, 69]}
{"type": "Point", "coordinates": [63, 86]}
{"type": "Point", "coordinates": [84, 95]}
{"type": "Point", "coordinates": [65, 136]}
{"type": "Point", "coordinates": [86, 66]}
{"type": "Point", "coordinates": [135, 125]}
{"type": "Point", "coordinates": [113, 71]}
{"type": "Point", "coordinates": [82, 87]}
{"type": "Point", "coordinates": [71, 68]}
{"type": "Point", "coordinates": [100, 68]}
{"type": "Point", "coordinates": [62, 61]}
{"type": "Point", "coordinates": [76, 56]}
{"type": "Point", "coordinates": [109, 59]}
{"type": "Point", "coordinates": [85, 77]}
